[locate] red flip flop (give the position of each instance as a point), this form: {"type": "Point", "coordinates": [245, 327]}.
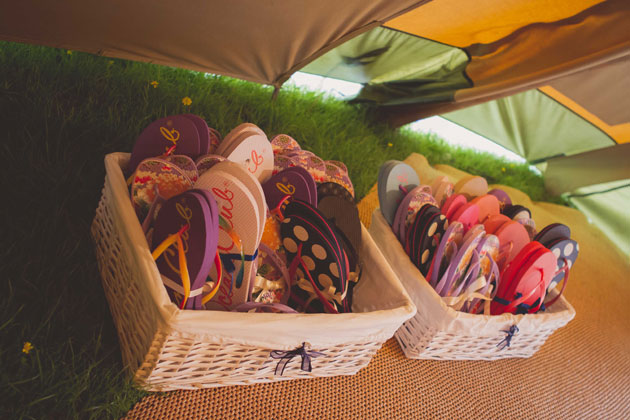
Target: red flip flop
{"type": "Point", "coordinates": [526, 280]}
{"type": "Point", "coordinates": [452, 204]}
{"type": "Point", "coordinates": [493, 223]}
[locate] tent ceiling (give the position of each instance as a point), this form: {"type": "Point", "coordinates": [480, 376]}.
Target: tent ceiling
{"type": "Point", "coordinates": [596, 167]}
{"type": "Point", "coordinates": [530, 56]}
{"type": "Point", "coordinates": [482, 21]}
{"type": "Point", "coordinates": [261, 41]}
{"type": "Point", "coordinates": [532, 125]}
{"type": "Point", "coordinates": [586, 88]}
{"type": "Point", "coordinates": [606, 205]}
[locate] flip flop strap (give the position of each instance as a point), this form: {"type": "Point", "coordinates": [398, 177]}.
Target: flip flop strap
{"type": "Point", "coordinates": [565, 268]}
{"type": "Point", "coordinates": [264, 307]}
{"type": "Point", "coordinates": [471, 274]}
{"type": "Point", "coordinates": [441, 283]}
{"type": "Point", "coordinates": [297, 260]}
{"type": "Point", "coordinates": [493, 277]}
{"type": "Point", "coordinates": [520, 298]}
{"type": "Point", "coordinates": [279, 264]}
{"type": "Point", "coordinates": [228, 264]}
{"type": "Point", "coordinates": [183, 267]}
{"type": "Point", "coordinates": [215, 289]}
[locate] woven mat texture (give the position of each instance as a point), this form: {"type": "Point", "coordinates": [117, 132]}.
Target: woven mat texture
{"type": "Point", "coordinates": [582, 371]}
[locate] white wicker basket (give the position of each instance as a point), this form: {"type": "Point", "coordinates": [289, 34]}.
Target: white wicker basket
{"type": "Point", "coordinates": [167, 348]}
{"type": "Point", "coordinates": [441, 333]}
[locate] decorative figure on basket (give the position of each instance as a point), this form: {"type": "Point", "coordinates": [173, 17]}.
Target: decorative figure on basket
{"type": "Point", "coordinates": [286, 356]}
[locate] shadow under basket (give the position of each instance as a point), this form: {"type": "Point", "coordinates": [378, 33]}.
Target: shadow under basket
{"type": "Point", "coordinates": [166, 348]}
{"type": "Point", "coordinates": [441, 333]}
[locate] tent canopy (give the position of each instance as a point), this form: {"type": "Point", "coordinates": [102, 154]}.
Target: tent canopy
{"type": "Point", "coordinates": [511, 45]}
{"type": "Point", "coordinates": [549, 78]}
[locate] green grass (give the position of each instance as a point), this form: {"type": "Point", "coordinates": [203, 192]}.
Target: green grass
{"type": "Point", "coordinates": [60, 114]}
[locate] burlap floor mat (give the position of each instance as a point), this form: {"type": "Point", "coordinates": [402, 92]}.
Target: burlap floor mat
{"type": "Point", "coordinates": [583, 371]}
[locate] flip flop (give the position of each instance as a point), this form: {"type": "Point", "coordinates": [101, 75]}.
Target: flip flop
{"type": "Point", "coordinates": [251, 149]}
{"type": "Point", "coordinates": [443, 192]}
{"type": "Point", "coordinates": [186, 164]}
{"type": "Point", "coordinates": [282, 162]}
{"type": "Point", "coordinates": [332, 188]}
{"type": "Point", "coordinates": [553, 232]}
{"type": "Point", "coordinates": [493, 223]}
{"type": "Point", "coordinates": [468, 215]}
{"type": "Point", "coordinates": [513, 237]}
{"type": "Point", "coordinates": [334, 173]}
{"type": "Point", "coordinates": [517, 211]}
{"type": "Point", "coordinates": [529, 225]}
{"type": "Point", "coordinates": [458, 266]}
{"type": "Point", "coordinates": [445, 251]}
{"type": "Point", "coordinates": [488, 250]}
{"type": "Point", "coordinates": [252, 184]}
{"type": "Point", "coordinates": [339, 164]}
{"type": "Point", "coordinates": [502, 196]}
{"type": "Point", "coordinates": [199, 246]}
{"type": "Point", "coordinates": [526, 281]}
{"type": "Point", "coordinates": [315, 255]}
{"type": "Point", "coordinates": [434, 228]}
{"type": "Point", "coordinates": [161, 135]}
{"type": "Point", "coordinates": [452, 204]}
{"type": "Point", "coordinates": [488, 206]}
{"type": "Point", "coordinates": [392, 175]}
{"type": "Point", "coordinates": [202, 131]}
{"type": "Point", "coordinates": [283, 143]}
{"type": "Point", "coordinates": [566, 252]}
{"type": "Point", "coordinates": [206, 162]}
{"type": "Point", "coordinates": [215, 140]}
{"type": "Point", "coordinates": [294, 182]}
{"type": "Point", "coordinates": [159, 176]}
{"type": "Point", "coordinates": [408, 207]}
{"type": "Point", "coordinates": [472, 186]}
{"type": "Point", "coordinates": [311, 163]}
{"type": "Point", "coordinates": [437, 182]}
{"type": "Point", "coordinates": [412, 235]}
{"type": "Point", "coordinates": [241, 227]}
{"type": "Point", "coordinates": [232, 137]}
{"type": "Point", "coordinates": [344, 215]}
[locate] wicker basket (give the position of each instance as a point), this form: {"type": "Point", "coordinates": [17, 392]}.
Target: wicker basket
{"type": "Point", "coordinates": [441, 333]}
{"type": "Point", "coordinates": [167, 348]}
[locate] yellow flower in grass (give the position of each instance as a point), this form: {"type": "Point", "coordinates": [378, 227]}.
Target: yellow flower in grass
{"type": "Point", "coordinates": [187, 101]}
{"type": "Point", "coordinates": [502, 169]}
{"type": "Point", "coordinates": [110, 62]}
{"type": "Point", "coordinates": [154, 83]}
{"type": "Point", "coordinates": [27, 347]}
{"type": "Point", "coordinates": [69, 52]}
{"type": "Point", "coordinates": [390, 144]}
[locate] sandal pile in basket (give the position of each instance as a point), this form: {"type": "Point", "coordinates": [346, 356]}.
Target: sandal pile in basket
{"type": "Point", "coordinates": [245, 224]}
{"type": "Point", "coordinates": [479, 252]}
{"type": "Point", "coordinates": [483, 280]}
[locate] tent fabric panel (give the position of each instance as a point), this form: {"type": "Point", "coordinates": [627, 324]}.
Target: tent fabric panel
{"type": "Point", "coordinates": [461, 23]}
{"type": "Point", "coordinates": [531, 57]}
{"type": "Point", "coordinates": [531, 125]}
{"type": "Point", "coordinates": [608, 210]}
{"type": "Point", "coordinates": [382, 55]}
{"type": "Point", "coordinates": [569, 173]}
{"type": "Point", "coordinates": [585, 88]}
{"type": "Point", "coordinates": [256, 41]}
{"type": "Point", "coordinates": [620, 133]}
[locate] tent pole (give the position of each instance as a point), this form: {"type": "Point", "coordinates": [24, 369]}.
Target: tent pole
{"type": "Point", "coordinates": [276, 90]}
